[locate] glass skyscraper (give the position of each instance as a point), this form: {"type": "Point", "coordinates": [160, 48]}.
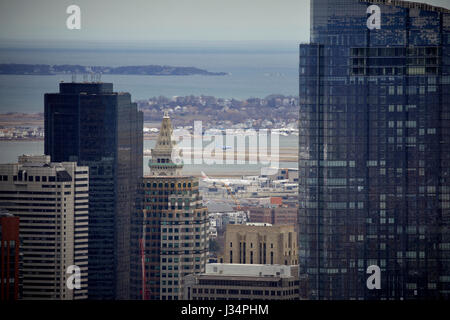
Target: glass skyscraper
{"type": "Point", "coordinates": [374, 150]}
{"type": "Point", "coordinates": [102, 129]}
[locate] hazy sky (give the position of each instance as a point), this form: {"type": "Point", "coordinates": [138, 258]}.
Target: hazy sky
{"type": "Point", "coordinates": [159, 20]}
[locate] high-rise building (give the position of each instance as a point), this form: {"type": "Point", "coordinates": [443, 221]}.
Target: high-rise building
{"type": "Point", "coordinates": [96, 127]}
{"type": "Point", "coordinates": [259, 243]}
{"type": "Point", "coordinates": [374, 160]}
{"type": "Point", "coordinates": [9, 254]}
{"type": "Point", "coordinates": [51, 201]}
{"type": "Point", "coordinates": [175, 222]}
{"type": "Point", "coordinates": [225, 281]}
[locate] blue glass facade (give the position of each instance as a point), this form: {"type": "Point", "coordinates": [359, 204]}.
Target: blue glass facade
{"type": "Point", "coordinates": [374, 160]}
{"type": "Point", "coordinates": [102, 129]}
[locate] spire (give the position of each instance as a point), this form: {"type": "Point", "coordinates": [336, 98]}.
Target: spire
{"type": "Point", "coordinates": [164, 141]}
{"type": "Point", "coordinates": [161, 162]}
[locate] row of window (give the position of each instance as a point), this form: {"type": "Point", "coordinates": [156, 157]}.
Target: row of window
{"type": "Point", "coordinates": [172, 185]}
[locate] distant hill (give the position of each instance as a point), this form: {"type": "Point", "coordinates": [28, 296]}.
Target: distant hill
{"type": "Point", "coordinates": [150, 70]}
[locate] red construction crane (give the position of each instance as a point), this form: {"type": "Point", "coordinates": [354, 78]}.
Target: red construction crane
{"type": "Point", "coordinates": [142, 250]}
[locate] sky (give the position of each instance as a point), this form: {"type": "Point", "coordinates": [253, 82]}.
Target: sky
{"type": "Point", "coordinates": [140, 21]}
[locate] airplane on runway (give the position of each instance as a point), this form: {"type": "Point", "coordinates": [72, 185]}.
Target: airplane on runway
{"type": "Point", "coordinates": [225, 181]}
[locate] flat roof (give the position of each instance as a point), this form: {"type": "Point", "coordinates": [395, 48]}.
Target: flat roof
{"type": "Point", "coordinates": [252, 270]}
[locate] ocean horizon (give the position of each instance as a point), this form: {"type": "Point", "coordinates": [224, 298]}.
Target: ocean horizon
{"type": "Point", "coordinates": [253, 71]}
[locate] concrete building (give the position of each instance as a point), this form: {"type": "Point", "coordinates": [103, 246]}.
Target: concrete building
{"type": "Point", "coordinates": [9, 255]}
{"type": "Point", "coordinates": [176, 223]}
{"type": "Point", "coordinates": [223, 281]}
{"type": "Point", "coordinates": [51, 201]}
{"type": "Point", "coordinates": [260, 244]}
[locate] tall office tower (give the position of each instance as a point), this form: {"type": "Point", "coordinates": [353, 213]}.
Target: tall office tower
{"type": "Point", "coordinates": [9, 254]}
{"type": "Point", "coordinates": [259, 243]}
{"type": "Point", "coordinates": [102, 129]}
{"type": "Point", "coordinates": [176, 223]}
{"type": "Point", "coordinates": [374, 160]}
{"type": "Point", "coordinates": [51, 201]}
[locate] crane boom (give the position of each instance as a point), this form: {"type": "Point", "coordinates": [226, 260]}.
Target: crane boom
{"type": "Point", "coordinates": [142, 251]}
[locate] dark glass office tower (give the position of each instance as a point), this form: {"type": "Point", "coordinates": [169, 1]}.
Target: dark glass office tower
{"type": "Point", "coordinates": [374, 155]}
{"type": "Point", "coordinates": [102, 129]}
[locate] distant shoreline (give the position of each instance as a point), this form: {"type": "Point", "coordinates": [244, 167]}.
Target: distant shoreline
{"type": "Point", "coordinates": [147, 70]}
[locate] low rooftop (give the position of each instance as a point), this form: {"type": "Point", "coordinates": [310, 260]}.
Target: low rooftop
{"type": "Point", "coordinates": [252, 270]}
